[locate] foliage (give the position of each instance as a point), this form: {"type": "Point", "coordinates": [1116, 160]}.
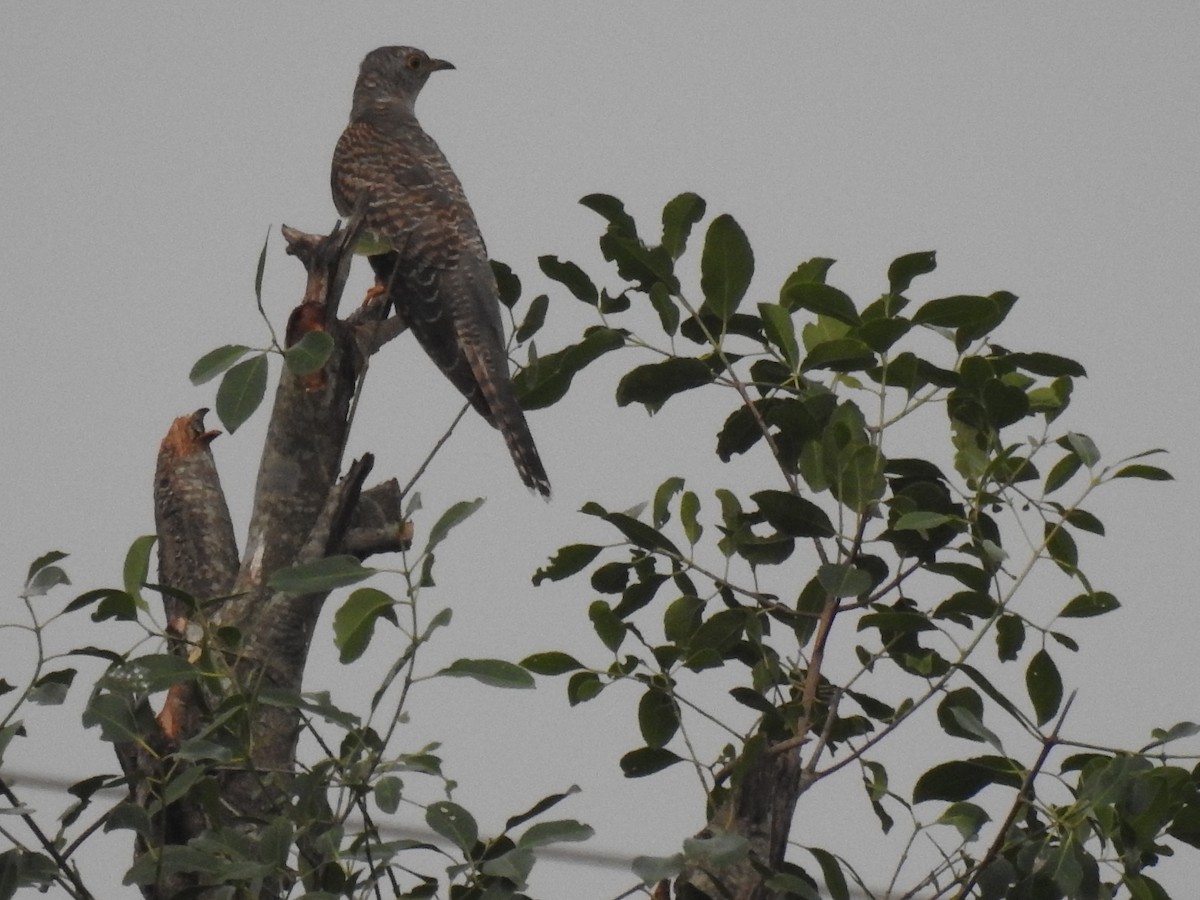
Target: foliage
{"type": "Point", "coordinates": [896, 477]}
{"type": "Point", "coordinates": [848, 529]}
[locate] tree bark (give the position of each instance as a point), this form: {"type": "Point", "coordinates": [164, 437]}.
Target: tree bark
{"type": "Point", "coordinates": [216, 600]}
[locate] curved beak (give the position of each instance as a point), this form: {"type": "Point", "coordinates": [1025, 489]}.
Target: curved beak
{"type": "Point", "coordinates": [439, 64]}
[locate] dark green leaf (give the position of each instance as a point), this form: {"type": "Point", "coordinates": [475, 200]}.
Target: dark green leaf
{"type": "Point", "coordinates": [726, 267]}
{"type": "Point", "coordinates": [658, 718]}
{"type": "Point", "coordinates": [647, 760]}
{"type": "Point", "coordinates": [638, 533]}
{"type": "Point", "coordinates": [678, 217]}
{"type": "Point", "coordinates": [905, 268]}
{"type": "Point", "coordinates": [507, 283]}
{"type": "Point", "coordinates": [547, 802]}
{"type": "Point", "coordinates": [842, 580]}
{"type": "Point", "coordinates": [1150, 473]}
{"type": "Point", "coordinates": [566, 562]}
{"type": "Point", "coordinates": [1084, 521]}
{"type": "Point", "coordinates": [44, 580]}
{"type": "Point", "coordinates": [793, 515]}
{"type": "Point", "coordinates": [1044, 685]}
{"type": "Point", "coordinates": [1047, 364]}
{"type": "Point", "coordinates": [555, 832]}
{"type": "Point", "coordinates": [777, 326]}
{"type": "Point", "coordinates": [320, 576]}
{"type": "Point", "coordinates": [1062, 472]}
{"type": "Point", "coordinates": [1084, 447]}
{"type": "Point", "coordinates": [310, 353]}
{"type": "Point", "coordinates": [967, 818]}
{"type": "Point", "coordinates": [664, 304]}
{"type": "Point", "coordinates": [552, 662]}
{"type": "Point", "coordinates": [962, 779]}
{"type": "Point", "coordinates": [839, 355]}
{"type": "Point", "coordinates": [451, 518]}
{"type": "Point", "coordinates": [571, 277]}
{"type": "Point", "coordinates": [583, 686]}
{"type": "Point", "coordinates": [51, 688]}
{"type": "Point", "coordinates": [961, 699]}
{"type": "Point", "coordinates": [610, 629]}
{"type": "Point", "coordinates": [454, 823]}
{"type": "Point", "coordinates": [354, 622]}
{"type": "Point", "coordinates": [1086, 605]}
{"type": "Point", "coordinates": [535, 318]}
{"type": "Point", "coordinates": [831, 871]}
{"type": "Point", "coordinates": [46, 559]}
{"type": "Point", "coordinates": [1010, 636]}
{"type": "Point", "coordinates": [689, 509]}
{"type": "Point", "coordinates": [1061, 547]}
{"type": "Point", "coordinates": [546, 381]}
{"type": "Point", "coordinates": [214, 362]}
{"type": "Point", "coordinates": [821, 299]}
{"type": "Point", "coordinates": [241, 391]}
{"type": "Point", "coordinates": [810, 271]}
{"type": "Point", "coordinates": [137, 565]}
{"type": "Point", "coordinates": [655, 383]}
{"type": "Point", "coordinates": [494, 672]}
{"type": "Point", "coordinates": [613, 210]}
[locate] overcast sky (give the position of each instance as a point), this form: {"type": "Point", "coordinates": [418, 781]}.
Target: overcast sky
{"type": "Point", "coordinates": [146, 150]}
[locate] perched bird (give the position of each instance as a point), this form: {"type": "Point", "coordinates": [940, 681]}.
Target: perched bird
{"type": "Point", "coordinates": [422, 240]}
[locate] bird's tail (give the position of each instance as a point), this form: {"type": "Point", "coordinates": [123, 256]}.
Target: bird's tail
{"type": "Point", "coordinates": [498, 394]}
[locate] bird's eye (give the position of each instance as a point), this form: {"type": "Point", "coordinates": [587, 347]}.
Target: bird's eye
{"type": "Point", "coordinates": [413, 62]}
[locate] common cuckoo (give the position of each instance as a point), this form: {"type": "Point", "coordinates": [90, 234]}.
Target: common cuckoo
{"type": "Point", "coordinates": [422, 240]}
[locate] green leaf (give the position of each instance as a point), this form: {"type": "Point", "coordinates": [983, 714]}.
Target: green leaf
{"type": "Point", "coordinates": [507, 283]}
{"type": "Point", "coordinates": [568, 561]}
{"type": "Point", "coordinates": [839, 355]}
{"type": "Point", "coordinates": [658, 718]}
{"type": "Point", "coordinates": [137, 565]}
{"type": "Point", "coordinates": [51, 689]}
{"type": "Point", "coordinates": [1044, 685]}
{"type": "Point", "coordinates": [1010, 636]}
{"type": "Point", "coordinates": [726, 267]}
{"type": "Point", "coordinates": [967, 818]}
{"type": "Point", "coordinates": [638, 533]}
{"type": "Point", "coordinates": [454, 516]}
{"type": "Point", "coordinates": [905, 268]}
{"type": "Point", "coordinates": [45, 579]}
{"type": "Point", "coordinates": [46, 559]}
{"type": "Point", "coordinates": [831, 871]}
{"type": "Point", "coordinates": [821, 299]}
{"type": "Point", "coordinates": [1084, 447]}
{"type": "Point", "coordinates": [552, 662]}
{"type": "Point", "coordinates": [653, 869]}
{"type": "Point", "coordinates": [957, 701]}
{"type": "Point", "coordinates": [535, 318]}
{"type": "Point", "coordinates": [609, 628]}
{"type": "Point", "coordinates": [494, 672]}
{"type": "Point", "coordinates": [1062, 472]}
{"type": "Point", "coordinates": [242, 391]}
{"type": "Point", "coordinates": [660, 508]}
{"type": "Point", "coordinates": [1061, 547]}
{"type": "Point", "coordinates": [613, 210]}
{"type": "Point", "coordinates": [962, 779]}
{"type": "Point", "coordinates": [655, 383]}
{"type": "Point", "coordinates": [1084, 606]}
{"type": "Point", "coordinates": [310, 353]}
{"type": "Point", "coordinates": [583, 686]}
{"type": "Point", "coordinates": [546, 381]}
{"type": "Point", "coordinates": [777, 325]}
{"type": "Point", "coordinates": [678, 217]}
{"type": "Point", "coordinates": [922, 520]}
{"type": "Point", "coordinates": [547, 802]}
{"type": "Point", "coordinates": [665, 306]}
{"type": "Point", "coordinates": [320, 576]}
{"type": "Point", "coordinates": [453, 823]}
{"type": "Point", "coordinates": [793, 515]}
{"type": "Point", "coordinates": [571, 277]}
{"type": "Point", "coordinates": [647, 760]}
{"type": "Point", "coordinates": [1139, 470]}
{"type": "Point", "coordinates": [556, 831]}
{"type": "Point", "coordinates": [842, 580]}
{"type": "Point", "coordinates": [689, 510]}
{"type": "Point", "coordinates": [354, 622]}
{"type": "Point", "coordinates": [214, 362]}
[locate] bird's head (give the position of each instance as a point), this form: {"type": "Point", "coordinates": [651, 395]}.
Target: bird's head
{"type": "Point", "coordinates": [390, 79]}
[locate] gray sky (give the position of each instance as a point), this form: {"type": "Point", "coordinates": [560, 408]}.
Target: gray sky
{"type": "Point", "coordinates": [1046, 149]}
